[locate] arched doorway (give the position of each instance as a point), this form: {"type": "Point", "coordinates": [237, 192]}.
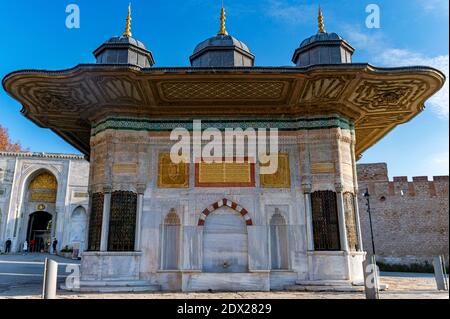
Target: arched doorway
{"type": "Point", "coordinates": [39, 229]}
{"type": "Point", "coordinates": [225, 242]}
{"type": "Point", "coordinates": [40, 207]}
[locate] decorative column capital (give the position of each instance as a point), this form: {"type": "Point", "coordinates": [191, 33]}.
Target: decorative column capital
{"type": "Point", "coordinates": [307, 188]}
{"type": "Point", "coordinates": [140, 188]}
{"type": "Point", "coordinates": [107, 189]}
{"type": "Point", "coordinates": [339, 187]}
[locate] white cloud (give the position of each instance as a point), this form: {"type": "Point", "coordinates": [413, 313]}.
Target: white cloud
{"type": "Point", "coordinates": [374, 43]}
{"type": "Point", "coordinates": [290, 12]}
{"type": "Point", "coordinates": [367, 39]}
{"type": "Point", "coordinates": [439, 102]}
{"type": "Point", "coordinates": [438, 6]}
{"type": "Point", "coordinates": [438, 163]}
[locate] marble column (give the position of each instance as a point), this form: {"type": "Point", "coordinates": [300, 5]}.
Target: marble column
{"type": "Point", "coordinates": [308, 217]}
{"type": "Point", "coordinates": [341, 218]}
{"type": "Point", "coordinates": [358, 222]}
{"type": "Point", "coordinates": [105, 220]}
{"type": "Point", "coordinates": [355, 198]}
{"type": "Point", "coordinates": [140, 207]}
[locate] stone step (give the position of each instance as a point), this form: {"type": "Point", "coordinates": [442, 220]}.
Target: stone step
{"type": "Point", "coordinates": [324, 283]}
{"type": "Point", "coordinates": [326, 288]}
{"type": "Point", "coordinates": [114, 289]}
{"type": "Point", "coordinates": [114, 286]}
{"type": "Point", "coordinates": [115, 283]}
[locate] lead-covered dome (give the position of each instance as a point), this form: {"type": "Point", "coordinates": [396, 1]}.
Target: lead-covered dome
{"type": "Point", "coordinates": [222, 50]}
{"type": "Point", "coordinates": [124, 50]}
{"type": "Point", "coordinates": [323, 48]}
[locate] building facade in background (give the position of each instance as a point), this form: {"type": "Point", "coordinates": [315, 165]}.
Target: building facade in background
{"type": "Point", "coordinates": [43, 197]}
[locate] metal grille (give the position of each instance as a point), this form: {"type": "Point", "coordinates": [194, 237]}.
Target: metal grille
{"type": "Point", "coordinates": [95, 222]}
{"type": "Point", "coordinates": [350, 221]}
{"type": "Point", "coordinates": [122, 222]}
{"type": "Point", "coordinates": [325, 221]}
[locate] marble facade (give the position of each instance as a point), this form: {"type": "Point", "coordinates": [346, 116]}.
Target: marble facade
{"type": "Point", "coordinates": [223, 241]}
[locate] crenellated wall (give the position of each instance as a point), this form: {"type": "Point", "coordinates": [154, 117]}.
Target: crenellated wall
{"type": "Point", "coordinates": [410, 218]}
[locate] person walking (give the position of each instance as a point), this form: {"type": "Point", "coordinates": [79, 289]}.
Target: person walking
{"type": "Point", "coordinates": [8, 246]}
{"type": "Point", "coordinates": [32, 245]}
{"type": "Point", "coordinates": [25, 248]}
{"type": "Point", "coordinates": [55, 244]}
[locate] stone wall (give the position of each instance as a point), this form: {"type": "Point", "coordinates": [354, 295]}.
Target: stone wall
{"type": "Point", "coordinates": [410, 218]}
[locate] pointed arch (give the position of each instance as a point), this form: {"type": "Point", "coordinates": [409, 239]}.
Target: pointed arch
{"type": "Point", "coordinates": [171, 241]}
{"type": "Point", "coordinates": [228, 203]}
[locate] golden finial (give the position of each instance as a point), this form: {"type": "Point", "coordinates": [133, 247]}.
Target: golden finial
{"type": "Point", "coordinates": [127, 32]}
{"type": "Point", "coordinates": [321, 24]}
{"type": "Point", "coordinates": [223, 18]}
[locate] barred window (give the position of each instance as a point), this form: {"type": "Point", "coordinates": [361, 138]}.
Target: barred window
{"type": "Point", "coordinates": [122, 221]}
{"type": "Point", "coordinates": [325, 221]}
{"type": "Point", "coordinates": [95, 222]}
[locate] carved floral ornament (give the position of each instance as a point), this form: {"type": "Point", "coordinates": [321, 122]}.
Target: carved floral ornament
{"type": "Point", "coordinates": [372, 97]}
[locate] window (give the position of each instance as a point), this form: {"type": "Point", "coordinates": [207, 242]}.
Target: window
{"type": "Point", "coordinates": [171, 241]}
{"type": "Point", "coordinates": [325, 221]}
{"type": "Point", "coordinates": [122, 221]}
{"type": "Point", "coordinates": [95, 222]}
{"type": "Point", "coordinates": [278, 242]}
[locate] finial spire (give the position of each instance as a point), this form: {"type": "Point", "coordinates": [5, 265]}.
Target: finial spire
{"type": "Point", "coordinates": [320, 20]}
{"type": "Point", "coordinates": [127, 32]}
{"type": "Point", "coordinates": [223, 18]}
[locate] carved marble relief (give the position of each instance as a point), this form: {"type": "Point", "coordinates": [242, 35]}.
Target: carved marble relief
{"type": "Point", "coordinates": [350, 221]}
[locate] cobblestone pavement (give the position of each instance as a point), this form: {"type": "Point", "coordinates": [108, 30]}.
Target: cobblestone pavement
{"type": "Point", "coordinates": [21, 278]}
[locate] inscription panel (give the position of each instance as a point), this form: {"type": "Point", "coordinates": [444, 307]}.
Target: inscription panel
{"type": "Point", "coordinates": [282, 178]}
{"type": "Point", "coordinates": [172, 175]}
{"type": "Point", "coordinates": [225, 174]}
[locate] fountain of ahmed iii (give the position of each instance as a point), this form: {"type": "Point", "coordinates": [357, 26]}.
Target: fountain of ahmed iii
{"type": "Point", "coordinates": [198, 226]}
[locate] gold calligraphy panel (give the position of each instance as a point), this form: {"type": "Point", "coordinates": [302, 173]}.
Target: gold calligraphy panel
{"type": "Point", "coordinates": [225, 175]}
{"type": "Point", "coordinates": [282, 178]}
{"type": "Point", "coordinates": [45, 197]}
{"type": "Point", "coordinates": [44, 181]}
{"type": "Point", "coordinates": [172, 175]}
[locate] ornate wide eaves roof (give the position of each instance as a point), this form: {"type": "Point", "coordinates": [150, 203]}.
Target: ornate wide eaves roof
{"type": "Point", "coordinates": [375, 99]}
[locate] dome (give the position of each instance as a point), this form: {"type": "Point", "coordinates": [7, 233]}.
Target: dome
{"type": "Point", "coordinates": [221, 41]}
{"type": "Point", "coordinates": [126, 40]}
{"type": "Point", "coordinates": [124, 49]}
{"type": "Point", "coordinates": [323, 48]}
{"type": "Point", "coordinates": [320, 37]}
{"type": "Point", "coordinates": [222, 50]}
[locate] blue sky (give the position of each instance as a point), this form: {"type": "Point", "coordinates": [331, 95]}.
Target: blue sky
{"type": "Point", "coordinates": [411, 32]}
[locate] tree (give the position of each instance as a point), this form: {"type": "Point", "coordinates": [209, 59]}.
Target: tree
{"type": "Point", "coordinates": [5, 142]}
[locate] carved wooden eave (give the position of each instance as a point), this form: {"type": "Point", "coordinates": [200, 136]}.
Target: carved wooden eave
{"type": "Point", "coordinates": [375, 99]}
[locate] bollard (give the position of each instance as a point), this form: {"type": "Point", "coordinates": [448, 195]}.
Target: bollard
{"type": "Point", "coordinates": [438, 265]}
{"type": "Point", "coordinates": [50, 279]}
{"type": "Point", "coordinates": [371, 278]}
